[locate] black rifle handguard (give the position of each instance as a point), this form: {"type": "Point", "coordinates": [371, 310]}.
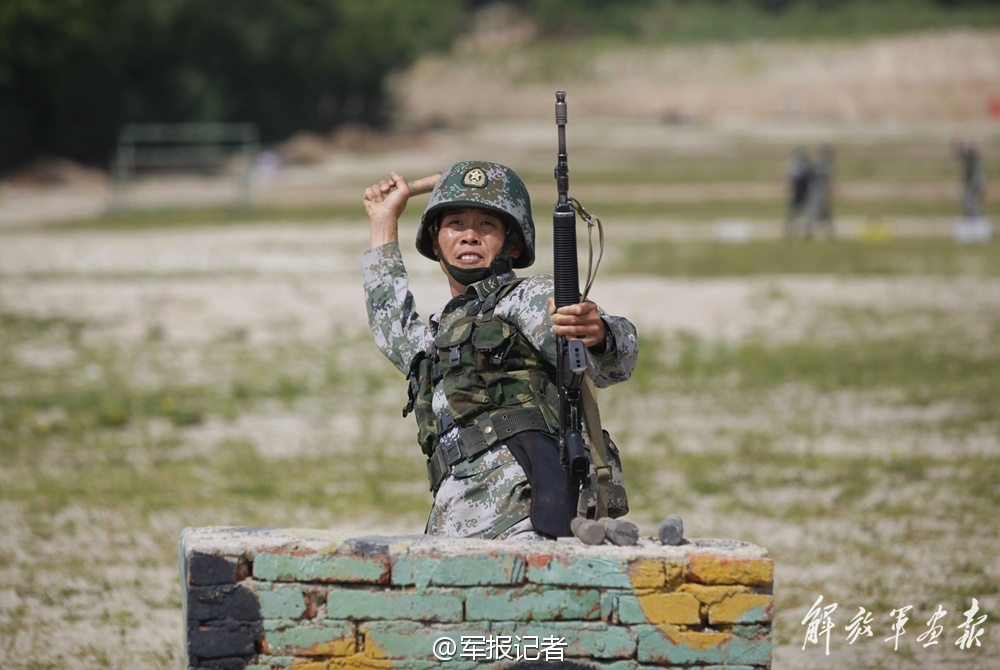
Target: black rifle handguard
{"type": "Point", "coordinates": [571, 363]}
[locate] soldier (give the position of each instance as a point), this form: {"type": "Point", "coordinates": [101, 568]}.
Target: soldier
{"type": "Point", "coordinates": [973, 179]}
{"type": "Point", "coordinates": [481, 369]}
{"type": "Point", "coordinates": [799, 176]}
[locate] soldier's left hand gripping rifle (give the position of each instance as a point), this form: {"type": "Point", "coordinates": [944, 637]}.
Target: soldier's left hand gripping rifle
{"type": "Point", "coordinates": [571, 361]}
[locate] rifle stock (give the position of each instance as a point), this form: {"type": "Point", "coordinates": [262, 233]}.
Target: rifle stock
{"type": "Point", "coordinates": [571, 363]}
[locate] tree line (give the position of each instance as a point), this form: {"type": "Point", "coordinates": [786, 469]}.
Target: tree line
{"type": "Point", "coordinates": [73, 72]}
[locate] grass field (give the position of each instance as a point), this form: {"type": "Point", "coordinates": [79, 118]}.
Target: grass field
{"type": "Point", "coordinates": [834, 401]}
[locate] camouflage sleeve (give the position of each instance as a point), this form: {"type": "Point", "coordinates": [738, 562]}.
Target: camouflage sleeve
{"type": "Point", "coordinates": [526, 307]}
{"type": "Point", "coordinates": [399, 332]}
{"type": "Point", "coordinates": [621, 352]}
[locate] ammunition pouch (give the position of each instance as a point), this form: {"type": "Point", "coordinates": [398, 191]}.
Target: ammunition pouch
{"type": "Point", "coordinates": [488, 430]}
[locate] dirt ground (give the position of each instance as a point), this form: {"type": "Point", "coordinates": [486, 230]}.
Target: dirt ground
{"type": "Point", "coordinates": [272, 281]}
{"type": "Point", "coordinates": [268, 279]}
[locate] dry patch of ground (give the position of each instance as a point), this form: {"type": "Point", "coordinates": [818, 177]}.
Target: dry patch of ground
{"type": "Point", "coordinates": [82, 571]}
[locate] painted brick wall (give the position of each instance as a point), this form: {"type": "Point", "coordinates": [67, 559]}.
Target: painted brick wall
{"type": "Point", "coordinates": [270, 598]}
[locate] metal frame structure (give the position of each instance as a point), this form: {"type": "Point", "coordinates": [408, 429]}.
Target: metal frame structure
{"type": "Point", "coordinates": [191, 148]}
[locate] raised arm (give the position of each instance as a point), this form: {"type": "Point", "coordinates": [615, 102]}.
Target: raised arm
{"type": "Point", "coordinates": [386, 200]}
{"type": "Point", "coordinates": [384, 204]}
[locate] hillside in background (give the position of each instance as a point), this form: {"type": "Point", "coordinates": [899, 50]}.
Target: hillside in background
{"type": "Point", "coordinates": [704, 122]}
{"type": "Point", "coordinates": [947, 76]}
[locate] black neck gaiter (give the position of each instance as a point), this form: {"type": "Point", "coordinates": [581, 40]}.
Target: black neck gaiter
{"type": "Point", "coordinates": [469, 276]}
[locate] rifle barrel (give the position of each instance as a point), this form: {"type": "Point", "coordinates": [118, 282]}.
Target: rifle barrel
{"type": "Point", "coordinates": [565, 264]}
{"type": "Point", "coordinates": [562, 163]}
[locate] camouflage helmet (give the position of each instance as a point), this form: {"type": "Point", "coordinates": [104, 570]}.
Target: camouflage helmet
{"type": "Point", "coordinates": [483, 185]}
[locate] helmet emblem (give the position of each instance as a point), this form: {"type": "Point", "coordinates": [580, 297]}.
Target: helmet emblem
{"type": "Point", "coordinates": [474, 178]}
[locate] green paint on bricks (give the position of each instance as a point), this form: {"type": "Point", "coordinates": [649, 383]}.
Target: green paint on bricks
{"type": "Point", "coordinates": [423, 605]}
{"type": "Point", "coordinates": [495, 604]}
{"type": "Point", "coordinates": [593, 572]}
{"type": "Point", "coordinates": [321, 567]}
{"type": "Point", "coordinates": [671, 645]}
{"type": "Point", "coordinates": [321, 638]}
{"type": "Point", "coordinates": [423, 570]}
{"type": "Point", "coordinates": [281, 601]}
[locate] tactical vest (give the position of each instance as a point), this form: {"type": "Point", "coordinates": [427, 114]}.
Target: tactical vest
{"type": "Point", "coordinates": [495, 382]}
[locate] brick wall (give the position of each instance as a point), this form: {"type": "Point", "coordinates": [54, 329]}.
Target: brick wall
{"type": "Point", "coordinates": [270, 598]}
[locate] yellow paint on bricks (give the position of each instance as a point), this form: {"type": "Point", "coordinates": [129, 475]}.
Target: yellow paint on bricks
{"type": "Point", "coordinates": [361, 662]}
{"type": "Point", "coordinates": [344, 647]}
{"type": "Point", "coordinates": [671, 608]}
{"type": "Point", "coordinates": [710, 595]}
{"type": "Point", "coordinates": [714, 569]}
{"type": "Point", "coordinates": [676, 573]}
{"type": "Point", "coordinates": [694, 640]}
{"type": "Point", "coordinates": [736, 608]}
{"type": "Point", "coordinates": [647, 574]}
{"type": "Point", "coordinates": [730, 604]}
{"type": "Point", "coordinates": [372, 651]}
{"type": "Point", "coordinates": [337, 647]}
{"type": "Point", "coordinates": [309, 665]}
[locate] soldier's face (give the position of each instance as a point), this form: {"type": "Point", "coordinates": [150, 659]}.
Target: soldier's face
{"type": "Point", "coordinates": [472, 238]}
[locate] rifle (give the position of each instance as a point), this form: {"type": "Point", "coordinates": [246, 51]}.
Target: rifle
{"type": "Point", "coordinates": [571, 356]}
{"type": "Point", "coordinates": [571, 361]}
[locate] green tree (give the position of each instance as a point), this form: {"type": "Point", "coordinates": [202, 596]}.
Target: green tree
{"type": "Point", "coordinates": [72, 72]}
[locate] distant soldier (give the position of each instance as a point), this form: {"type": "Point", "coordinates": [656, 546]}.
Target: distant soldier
{"type": "Point", "coordinates": [973, 179]}
{"type": "Point", "coordinates": [819, 216]}
{"type": "Point", "coordinates": [798, 176]}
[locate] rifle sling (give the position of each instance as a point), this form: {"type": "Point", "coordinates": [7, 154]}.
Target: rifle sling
{"type": "Point", "coordinates": [602, 464]}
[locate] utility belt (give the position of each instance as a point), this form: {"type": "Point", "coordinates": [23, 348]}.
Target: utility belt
{"type": "Point", "coordinates": [488, 429]}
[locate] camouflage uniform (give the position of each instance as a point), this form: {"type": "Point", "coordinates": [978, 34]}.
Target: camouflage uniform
{"type": "Point", "coordinates": [488, 496]}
